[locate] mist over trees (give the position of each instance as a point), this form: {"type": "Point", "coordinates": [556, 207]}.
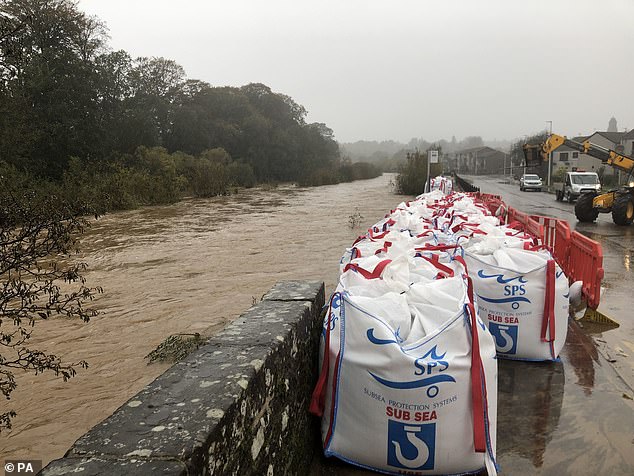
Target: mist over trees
{"type": "Point", "coordinates": [390, 155]}
{"type": "Point", "coordinates": [74, 112]}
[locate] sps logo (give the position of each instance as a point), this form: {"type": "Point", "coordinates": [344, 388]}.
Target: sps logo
{"type": "Point", "coordinates": [411, 446]}
{"type": "Point", "coordinates": [431, 367]}
{"type": "Point", "coordinates": [513, 289]}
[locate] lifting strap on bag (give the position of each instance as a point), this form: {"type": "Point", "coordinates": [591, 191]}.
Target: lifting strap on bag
{"type": "Point", "coordinates": [434, 260]}
{"type": "Point", "coordinates": [441, 247]}
{"type": "Point", "coordinates": [377, 236]}
{"type": "Point", "coordinates": [478, 386]}
{"type": "Point", "coordinates": [318, 399]}
{"type": "Point", "coordinates": [386, 245]}
{"type": "Point", "coordinates": [548, 319]}
{"type": "Point", "coordinates": [368, 274]}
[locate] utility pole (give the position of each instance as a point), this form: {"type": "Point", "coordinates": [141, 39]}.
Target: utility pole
{"type": "Point", "coordinates": [550, 155]}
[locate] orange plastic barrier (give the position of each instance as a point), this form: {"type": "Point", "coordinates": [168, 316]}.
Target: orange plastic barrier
{"type": "Point", "coordinates": [536, 229]}
{"type": "Point", "coordinates": [494, 205]}
{"type": "Point", "coordinates": [580, 257]}
{"type": "Point", "coordinates": [556, 237]}
{"type": "Point", "coordinates": [515, 215]}
{"type": "Point", "coordinates": [586, 264]}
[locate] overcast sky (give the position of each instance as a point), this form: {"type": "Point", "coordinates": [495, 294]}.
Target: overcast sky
{"type": "Point", "coordinates": [397, 69]}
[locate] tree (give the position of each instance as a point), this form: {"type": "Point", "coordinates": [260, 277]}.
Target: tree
{"type": "Point", "coordinates": [517, 151]}
{"type": "Point", "coordinates": [413, 174]}
{"type": "Point", "coordinates": [156, 84]}
{"type": "Point", "coordinates": [46, 52]}
{"type": "Point", "coordinates": [36, 230]}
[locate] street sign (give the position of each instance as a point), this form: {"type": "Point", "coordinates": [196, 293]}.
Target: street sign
{"type": "Point", "coordinates": [433, 156]}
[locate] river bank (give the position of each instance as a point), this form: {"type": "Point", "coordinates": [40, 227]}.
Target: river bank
{"type": "Point", "coordinates": [189, 267]}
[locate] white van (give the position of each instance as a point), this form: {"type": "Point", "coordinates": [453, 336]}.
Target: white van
{"type": "Point", "coordinates": [577, 183]}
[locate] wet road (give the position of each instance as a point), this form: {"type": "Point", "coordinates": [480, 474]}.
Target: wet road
{"type": "Point", "coordinates": [577, 416]}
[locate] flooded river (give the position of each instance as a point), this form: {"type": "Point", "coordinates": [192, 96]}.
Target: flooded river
{"type": "Point", "coordinates": [190, 267]}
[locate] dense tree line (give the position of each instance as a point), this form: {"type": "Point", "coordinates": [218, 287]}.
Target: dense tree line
{"type": "Point", "coordinates": [84, 129]}
{"type": "Point", "coordinates": [137, 130]}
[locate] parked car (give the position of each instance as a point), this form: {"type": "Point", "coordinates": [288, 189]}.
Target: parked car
{"type": "Point", "coordinates": [530, 182]}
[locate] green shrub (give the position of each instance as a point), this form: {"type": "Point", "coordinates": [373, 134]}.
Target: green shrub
{"type": "Point", "coordinates": [412, 175]}
{"type": "Point", "coordinates": [240, 175]}
{"type": "Point", "coordinates": [559, 175]}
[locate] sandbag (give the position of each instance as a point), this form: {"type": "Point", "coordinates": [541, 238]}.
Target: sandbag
{"type": "Point", "coordinates": [523, 297]}
{"type": "Point", "coordinates": [414, 407]}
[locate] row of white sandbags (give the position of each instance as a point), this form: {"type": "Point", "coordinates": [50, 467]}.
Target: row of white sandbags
{"type": "Point", "coordinates": [521, 291]}
{"type": "Point", "coordinates": [409, 376]}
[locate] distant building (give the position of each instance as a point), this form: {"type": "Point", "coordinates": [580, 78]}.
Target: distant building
{"type": "Point", "coordinates": [628, 143]}
{"type": "Point", "coordinates": [476, 161]}
{"type": "Point", "coordinates": [567, 157]}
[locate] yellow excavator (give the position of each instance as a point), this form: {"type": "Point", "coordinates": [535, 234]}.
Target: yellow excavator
{"type": "Point", "coordinates": [619, 202]}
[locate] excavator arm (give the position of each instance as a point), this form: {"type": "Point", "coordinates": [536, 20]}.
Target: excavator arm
{"type": "Point", "coordinates": [618, 202]}
{"type": "Point", "coordinates": [535, 152]}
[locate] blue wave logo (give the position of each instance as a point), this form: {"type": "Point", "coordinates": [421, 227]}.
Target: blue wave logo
{"type": "Point", "coordinates": [432, 353]}
{"type": "Point", "coordinates": [377, 341]}
{"type": "Point", "coordinates": [501, 279]}
{"type": "Point", "coordinates": [430, 367]}
{"type": "Point", "coordinates": [513, 299]}
{"type": "Point", "coordinates": [424, 382]}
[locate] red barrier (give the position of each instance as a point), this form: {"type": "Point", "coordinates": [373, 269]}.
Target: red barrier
{"type": "Point", "coordinates": [580, 257]}
{"type": "Point", "coordinates": [535, 229]}
{"type": "Point", "coordinates": [556, 237]}
{"type": "Point", "coordinates": [586, 264]}
{"type": "Point", "coordinates": [494, 205]}
{"type": "Point", "coordinates": [516, 215]}
{"type": "Point", "coordinates": [561, 247]}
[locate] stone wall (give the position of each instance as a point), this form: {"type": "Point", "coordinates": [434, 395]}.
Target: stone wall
{"type": "Point", "coordinates": [238, 405]}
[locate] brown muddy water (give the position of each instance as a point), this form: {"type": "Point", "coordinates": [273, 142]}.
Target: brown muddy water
{"type": "Point", "coordinates": [190, 267]}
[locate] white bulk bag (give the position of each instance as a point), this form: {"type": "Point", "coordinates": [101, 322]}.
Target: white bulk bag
{"type": "Point", "coordinates": [432, 302]}
{"type": "Point", "coordinates": [428, 407]}
{"type": "Point", "coordinates": [428, 265]}
{"type": "Point", "coordinates": [374, 275]}
{"type": "Point", "coordinates": [497, 237]}
{"type": "Point", "coordinates": [523, 296]}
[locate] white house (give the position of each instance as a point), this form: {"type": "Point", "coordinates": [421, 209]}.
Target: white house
{"type": "Point", "coordinates": [567, 157]}
{"type": "Point", "coordinates": [608, 140]}
{"type": "Point", "coordinates": [628, 143]}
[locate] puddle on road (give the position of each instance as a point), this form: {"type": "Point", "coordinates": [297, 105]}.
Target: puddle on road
{"type": "Point", "coordinates": [530, 397]}
{"type": "Point", "coordinates": [565, 417]}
